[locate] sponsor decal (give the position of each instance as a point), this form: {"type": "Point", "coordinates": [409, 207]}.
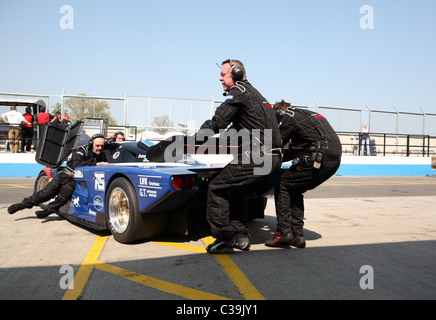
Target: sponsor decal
{"type": "Point", "coordinates": [78, 174]}
{"type": "Point", "coordinates": [75, 201]}
{"type": "Point", "coordinates": [147, 193]}
{"type": "Point", "coordinates": [98, 203]}
{"type": "Point", "coordinates": [99, 181]}
{"type": "Point", "coordinates": [144, 181]}
{"type": "Point", "coordinates": [147, 187]}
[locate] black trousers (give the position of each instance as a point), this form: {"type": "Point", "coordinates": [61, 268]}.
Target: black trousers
{"type": "Point", "coordinates": [26, 138]}
{"type": "Point", "coordinates": [288, 194]}
{"type": "Point", "coordinates": [226, 210]}
{"type": "Point", "coordinates": [61, 186]}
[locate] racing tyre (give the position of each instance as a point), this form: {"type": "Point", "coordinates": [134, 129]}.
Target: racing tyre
{"type": "Point", "coordinates": [125, 222]}
{"type": "Point", "coordinates": [41, 181]}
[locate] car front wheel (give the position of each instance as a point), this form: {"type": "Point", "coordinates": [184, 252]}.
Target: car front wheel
{"type": "Point", "coordinates": [41, 182]}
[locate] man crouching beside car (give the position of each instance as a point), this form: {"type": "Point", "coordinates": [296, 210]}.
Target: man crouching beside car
{"type": "Point", "coordinates": [63, 184]}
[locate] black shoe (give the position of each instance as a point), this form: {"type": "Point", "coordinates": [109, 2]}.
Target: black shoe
{"type": "Point", "coordinates": [298, 242]}
{"type": "Point", "coordinates": [41, 214]}
{"type": "Point", "coordinates": [279, 240]}
{"type": "Point", "coordinates": [46, 207]}
{"type": "Point", "coordinates": [220, 244]}
{"type": "Point", "coordinates": [15, 207]}
{"type": "Point", "coordinates": [242, 243]}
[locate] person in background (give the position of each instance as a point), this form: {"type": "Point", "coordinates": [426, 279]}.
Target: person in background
{"type": "Point", "coordinates": [14, 119]}
{"type": "Point", "coordinates": [56, 118]}
{"type": "Point", "coordinates": [66, 121]}
{"type": "Point", "coordinates": [118, 137]}
{"type": "Point", "coordinates": [112, 143]}
{"type": "Point", "coordinates": [364, 141]}
{"type": "Point", "coordinates": [27, 131]}
{"type": "Point", "coordinates": [42, 117]}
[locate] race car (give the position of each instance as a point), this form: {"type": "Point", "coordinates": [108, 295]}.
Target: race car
{"type": "Point", "coordinates": [140, 194]}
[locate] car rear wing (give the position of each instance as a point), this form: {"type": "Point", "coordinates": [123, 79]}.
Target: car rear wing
{"type": "Point", "coordinates": [174, 148]}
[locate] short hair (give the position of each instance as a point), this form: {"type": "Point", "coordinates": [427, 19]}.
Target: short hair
{"type": "Point", "coordinates": [236, 63]}
{"type": "Point", "coordinates": [282, 105]}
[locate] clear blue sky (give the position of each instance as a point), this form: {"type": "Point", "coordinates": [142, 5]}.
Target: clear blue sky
{"type": "Point", "coordinates": [295, 50]}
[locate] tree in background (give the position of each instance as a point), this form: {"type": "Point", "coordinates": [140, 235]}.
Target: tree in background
{"type": "Point", "coordinates": [162, 124]}
{"type": "Point", "coordinates": [78, 108]}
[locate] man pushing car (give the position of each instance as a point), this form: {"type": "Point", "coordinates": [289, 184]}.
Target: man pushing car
{"type": "Point", "coordinates": [63, 184]}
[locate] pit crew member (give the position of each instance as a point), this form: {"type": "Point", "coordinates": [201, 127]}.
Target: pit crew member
{"type": "Point", "coordinates": [247, 110]}
{"type": "Point", "coordinates": [315, 151]}
{"type": "Point", "coordinates": [62, 185]}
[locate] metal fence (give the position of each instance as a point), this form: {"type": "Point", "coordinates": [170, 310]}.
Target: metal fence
{"type": "Point", "coordinates": [384, 144]}
{"type": "Point", "coordinates": [397, 131]}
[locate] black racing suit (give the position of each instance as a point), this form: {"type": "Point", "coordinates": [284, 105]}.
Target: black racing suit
{"type": "Point", "coordinates": [316, 153]}
{"type": "Point", "coordinates": [62, 185]}
{"type": "Point", "coordinates": [250, 114]}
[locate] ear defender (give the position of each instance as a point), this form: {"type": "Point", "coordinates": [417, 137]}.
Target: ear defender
{"type": "Point", "coordinates": [95, 136]}
{"type": "Point", "coordinates": [237, 72]}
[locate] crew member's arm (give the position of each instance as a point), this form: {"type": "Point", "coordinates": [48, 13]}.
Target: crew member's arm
{"type": "Point", "coordinates": [225, 112]}
{"type": "Point", "coordinates": [101, 159]}
{"type": "Point", "coordinates": [287, 131]}
{"type": "Point", "coordinates": [80, 158]}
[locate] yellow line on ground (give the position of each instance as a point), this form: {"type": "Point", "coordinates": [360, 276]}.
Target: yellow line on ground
{"type": "Point", "coordinates": [5, 186]}
{"type": "Point", "coordinates": [181, 246]}
{"type": "Point", "coordinates": [157, 284]}
{"type": "Point", "coordinates": [82, 275]}
{"type": "Point", "coordinates": [236, 276]}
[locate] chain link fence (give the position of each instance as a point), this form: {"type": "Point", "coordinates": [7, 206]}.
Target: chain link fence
{"type": "Point", "coordinates": [393, 132]}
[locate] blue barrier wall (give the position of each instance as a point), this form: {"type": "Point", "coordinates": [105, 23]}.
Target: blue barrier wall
{"type": "Point", "coordinates": [385, 166]}
{"type": "Point", "coordinates": [17, 165]}
{"type": "Point", "coordinates": [24, 165]}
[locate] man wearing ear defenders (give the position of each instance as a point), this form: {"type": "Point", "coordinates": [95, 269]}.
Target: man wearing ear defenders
{"type": "Point", "coordinates": [117, 137]}
{"type": "Point", "coordinates": [248, 111]}
{"type": "Point", "coordinates": [62, 185]}
{"type": "Point", "coordinates": [315, 151]}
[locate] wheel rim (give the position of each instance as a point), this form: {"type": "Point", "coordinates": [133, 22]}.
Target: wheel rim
{"type": "Point", "coordinates": [42, 183]}
{"type": "Point", "coordinates": [119, 209]}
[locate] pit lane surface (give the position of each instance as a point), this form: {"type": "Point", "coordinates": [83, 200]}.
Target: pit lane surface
{"type": "Point", "coordinates": [367, 238]}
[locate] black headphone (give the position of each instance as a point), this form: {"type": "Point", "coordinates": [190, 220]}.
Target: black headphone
{"type": "Point", "coordinates": [237, 72]}
{"type": "Point", "coordinates": [117, 133]}
{"type": "Point", "coordinates": [95, 136]}
{"type": "Point", "coordinates": [112, 139]}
